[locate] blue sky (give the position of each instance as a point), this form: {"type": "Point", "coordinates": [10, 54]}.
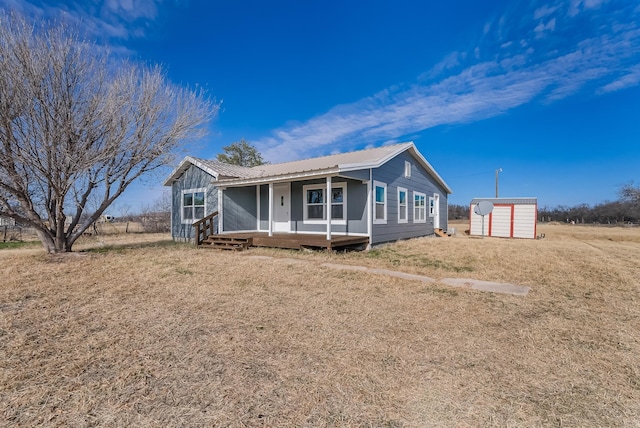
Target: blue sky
{"type": "Point", "coordinates": [546, 90]}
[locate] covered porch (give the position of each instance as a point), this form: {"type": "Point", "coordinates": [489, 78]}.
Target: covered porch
{"type": "Point", "coordinates": [326, 205]}
{"type": "Point", "coordinates": [206, 237]}
{"type": "Point", "coordinates": [293, 241]}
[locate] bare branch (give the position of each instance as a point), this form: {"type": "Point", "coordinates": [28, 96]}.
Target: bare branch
{"type": "Point", "coordinates": [74, 127]}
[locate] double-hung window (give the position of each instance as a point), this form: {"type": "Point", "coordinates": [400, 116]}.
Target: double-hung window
{"type": "Point", "coordinates": [432, 206]}
{"type": "Point", "coordinates": [419, 207]}
{"type": "Point", "coordinates": [402, 205]}
{"type": "Point", "coordinates": [380, 202]}
{"type": "Point", "coordinates": [315, 203]}
{"type": "Point", "coordinates": [193, 203]}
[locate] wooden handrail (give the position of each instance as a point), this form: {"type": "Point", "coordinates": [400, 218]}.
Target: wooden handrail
{"type": "Point", "coordinates": [205, 227]}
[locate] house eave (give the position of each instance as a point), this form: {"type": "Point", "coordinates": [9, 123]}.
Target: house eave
{"type": "Point", "coordinates": [414, 152]}
{"type": "Point", "coordinates": [183, 166]}
{"type": "Point", "coordinates": [430, 168]}
{"type": "Point", "coordinates": [303, 175]}
{"type": "Point", "coordinates": [230, 181]}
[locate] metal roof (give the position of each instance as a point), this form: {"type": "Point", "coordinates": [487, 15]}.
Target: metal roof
{"type": "Point", "coordinates": [218, 170]}
{"type": "Point", "coordinates": [366, 156]}
{"type": "Point", "coordinates": [231, 175]}
{"type": "Point", "coordinates": [508, 201]}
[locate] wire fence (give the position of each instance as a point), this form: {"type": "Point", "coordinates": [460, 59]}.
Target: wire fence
{"type": "Point", "coordinates": [10, 233]}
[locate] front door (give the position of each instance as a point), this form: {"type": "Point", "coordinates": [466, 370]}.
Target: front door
{"type": "Point", "coordinates": [281, 207]}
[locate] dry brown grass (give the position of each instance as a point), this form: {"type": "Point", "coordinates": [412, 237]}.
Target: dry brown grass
{"type": "Point", "coordinates": [165, 335]}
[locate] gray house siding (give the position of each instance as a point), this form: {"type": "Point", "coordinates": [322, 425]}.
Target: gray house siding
{"type": "Point", "coordinates": [361, 174]}
{"type": "Point", "coordinates": [356, 208]}
{"type": "Point", "coordinates": [239, 209]}
{"type": "Point", "coordinates": [193, 178]}
{"type": "Point", "coordinates": [264, 207]}
{"type": "Point", "coordinates": [392, 174]}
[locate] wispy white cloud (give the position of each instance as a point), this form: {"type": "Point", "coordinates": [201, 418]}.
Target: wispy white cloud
{"type": "Point", "coordinates": [598, 54]}
{"type": "Point", "coordinates": [131, 10]}
{"type": "Point", "coordinates": [449, 62]}
{"type": "Point", "coordinates": [544, 11]}
{"type": "Point", "coordinates": [544, 28]}
{"type": "Point", "coordinates": [114, 20]}
{"type": "Point", "coordinates": [578, 6]}
{"type": "Point", "coordinates": [632, 78]}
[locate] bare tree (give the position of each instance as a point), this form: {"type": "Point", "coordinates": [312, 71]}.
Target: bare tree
{"type": "Point", "coordinates": [156, 217]}
{"type": "Point", "coordinates": [630, 193]}
{"type": "Point", "coordinates": [241, 153]}
{"type": "Point", "coordinates": [124, 211]}
{"type": "Point", "coordinates": [75, 127]}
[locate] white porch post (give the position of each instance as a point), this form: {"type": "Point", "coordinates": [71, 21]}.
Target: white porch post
{"type": "Point", "coordinates": [257, 207]}
{"type": "Point", "coordinates": [328, 199]}
{"type": "Point", "coordinates": [270, 209]}
{"type": "Point", "coordinates": [220, 208]}
{"type": "Point", "coordinates": [370, 207]}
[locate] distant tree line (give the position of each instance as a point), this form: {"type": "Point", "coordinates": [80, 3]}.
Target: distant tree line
{"type": "Point", "coordinates": [604, 213]}
{"type": "Point", "coordinates": [624, 210]}
{"type": "Point", "coordinates": [458, 212]}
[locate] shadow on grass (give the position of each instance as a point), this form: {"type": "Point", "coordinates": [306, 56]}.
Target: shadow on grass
{"type": "Point", "coordinates": [119, 248]}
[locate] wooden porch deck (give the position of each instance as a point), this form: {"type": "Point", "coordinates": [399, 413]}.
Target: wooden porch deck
{"type": "Point", "coordinates": [295, 241]}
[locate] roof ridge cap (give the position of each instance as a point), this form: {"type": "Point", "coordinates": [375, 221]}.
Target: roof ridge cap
{"type": "Point", "coordinates": [407, 143]}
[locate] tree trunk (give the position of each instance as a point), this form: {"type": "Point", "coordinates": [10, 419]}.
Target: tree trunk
{"type": "Point", "coordinates": [53, 244]}
{"type": "Point", "coordinates": [47, 241]}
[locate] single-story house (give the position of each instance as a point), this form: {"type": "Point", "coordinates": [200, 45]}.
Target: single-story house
{"type": "Point", "coordinates": [510, 218]}
{"type": "Point", "coordinates": [386, 194]}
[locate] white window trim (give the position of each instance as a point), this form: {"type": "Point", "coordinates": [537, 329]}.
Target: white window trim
{"type": "Point", "coordinates": [323, 187]}
{"type": "Point", "coordinates": [424, 208]}
{"type": "Point", "coordinates": [407, 169]}
{"type": "Point", "coordinates": [406, 205]}
{"type": "Point", "coordinates": [189, 220]}
{"type": "Point", "coordinates": [384, 186]}
{"type": "Point", "coordinates": [431, 206]}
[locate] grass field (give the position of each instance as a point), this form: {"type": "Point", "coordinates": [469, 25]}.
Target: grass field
{"type": "Point", "coordinates": [137, 330]}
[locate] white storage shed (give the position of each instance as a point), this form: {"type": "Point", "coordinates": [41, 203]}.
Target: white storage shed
{"type": "Point", "coordinates": [510, 218]}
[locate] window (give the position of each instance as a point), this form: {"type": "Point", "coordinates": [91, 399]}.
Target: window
{"type": "Point", "coordinates": [192, 205]}
{"type": "Point", "coordinates": [315, 203]}
{"type": "Point", "coordinates": [419, 207]}
{"type": "Point", "coordinates": [337, 203]}
{"type": "Point", "coordinates": [380, 199]}
{"type": "Point", "coordinates": [432, 206]}
{"type": "Point", "coordinates": [402, 205]}
{"type": "Point", "coordinates": [407, 169]}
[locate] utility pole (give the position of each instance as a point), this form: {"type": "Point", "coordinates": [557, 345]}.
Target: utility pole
{"type": "Point", "coordinates": [499, 170]}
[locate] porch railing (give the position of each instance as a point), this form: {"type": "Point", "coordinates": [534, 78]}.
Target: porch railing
{"type": "Point", "coordinates": [205, 227]}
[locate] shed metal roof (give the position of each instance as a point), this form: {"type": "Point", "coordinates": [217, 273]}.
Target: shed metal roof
{"type": "Point", "coordinates": [508, 201]}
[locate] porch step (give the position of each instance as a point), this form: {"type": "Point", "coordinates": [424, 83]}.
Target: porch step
{"type": "Point", "coordinates": [222, 242]}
